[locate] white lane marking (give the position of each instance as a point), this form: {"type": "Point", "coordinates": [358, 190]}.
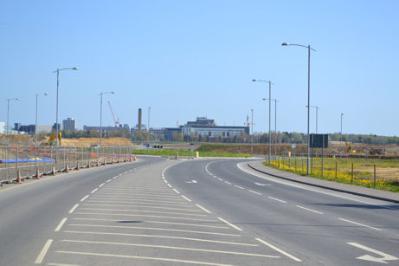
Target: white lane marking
{"type": "Point", "coordinates": [186, 209]}
{"type": "Point", "coordinates": [73, 208]}
{"type": "Point", "coordinates": [239, 187]}
{"type": "Point", "coordinates": [101, 185]}
{"type": "Point", "coordinates": [171, 247]}
{"type": "Point", "coordinates": [255, 192]}
{"type": "Point", "coordinates": [115, 177]}
{"type": "Point", "coordinates": [261, 184]}
{"type": "Point", "coordinates": [138, 201]}
{"type": "Point", "coordinates": [169, 185]}
{"type": "Point", "coordinates": [175, 190]}
{"type": "Point", "coordinates": [109, 180]}
{"type": "Point", "coordinates": [94, 191]}
{"type": "Point", "coordinates": [141, 258]}
{"type": "Point", "coordinates": [84, 198]}
{"type": "Point", "coordinates": [207, 170]}
{"type": "Point", "coordinates": [184, 197]}
{"type": "Point", "coordinates": [145, 211]}
{"type": "Point", "coordinates": [145, 215]}
{"type": "Point", "coordinates": [193, 181]}
{"type": "Point", "coordinates": [59, 226]}
{"type": "Point", "coordinates": [43, 252]}
{"type": "Point", "coordinates": [154, 229]}
{"type": "Point", "coordinates": [166, 237]}
{"type": "Point", "coordinates": [364, 225]}
{"type": "Point", "coordinates": [278, 250]}
{"type": "Point", "coordinates": [276, 199]}
{"type": "Point", "coordinates": [155, 222]}
{"type": "Point", "coordinates": [307, 209]}
{"type": "Point", "coordinates": [227, 182]}
{"type": "Point", "coordinates": [133, 195]}
{"type": "Point", "coordinates": [383, 259]}
{"type": "Point", "coordinates": [220, 179]}
{"type": "Point", "coordinates": [202, 208]}
{"type": "Point", "coordinates": [230, 224]}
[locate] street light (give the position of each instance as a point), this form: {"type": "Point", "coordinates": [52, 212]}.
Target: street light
{"type": "Point", "coordinates": [342, 115]}
{"type": "Point", "coordinates": [275, 121]}
{"type": "Point", "coordinates": [36, 111]}
{"type": "Point", "coordinates": [8, 113]}
{"type": "Point", "coordinates": [270, 110]}
{"type": "Point", "coordinates": [317, 116]}
{"type": "Point", "coordinates": [309, 48]}
{"type": "Point", "coordinates": [57, 71]}
{"type": "Point", "coordinates": [101, 112]}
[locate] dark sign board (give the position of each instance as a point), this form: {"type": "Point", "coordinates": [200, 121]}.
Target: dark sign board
{"type": "Point", "coordinates": [318, 140]}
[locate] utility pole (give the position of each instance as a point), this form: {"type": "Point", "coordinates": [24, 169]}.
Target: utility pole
{"type": "Point", "coordinates": [342, 115]}
{"type": "Point", "coordinates": [252, 131]}
{"type": "Point", "coordinates": [8, 113]}
{"type": "Point", "coordinates": [101, 114]}
{"type": "Point", "coordinates": [148, 123]}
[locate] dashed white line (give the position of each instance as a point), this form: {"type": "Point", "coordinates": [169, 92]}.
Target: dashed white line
{"type": "Point", "coordinates": [109, 180]}
{"type": "Point", "coordinates": [73, 208]}
{"type": "Point", "coordinates": [169, 185]}
{"type": "Point", "coordinates": [364, 225]}
{"type": "Point", "coordinates": [239, 187]}
{"type": "Point", "coordinates": [220, 179]}
{"type": "Point", "coordinates": [101, 185]}
{"type": "Point", "coordinates": [43, 252]}
{"type": "Point", "coordinates": [255, 192]}
{"type": "Point", "coordinates": [278, 250]}
{"type": "Point", "coordinates": [184, 197]}
{"type": "Point", "coordinates": [202, 208]}
{"type": "Point", "coordinates": [276, 199]}
{"type": "Point", "coordinates": [311, 210]}
{"type": "Point", "coordinates": [227, 182]}
{"type": "Point", "coordinates": [59, 226]}
{"type": "Point", "coordinates": [230, 224]}
{"type": "Point", "coordinates": [84, 198]}
{"type": "Point", "coordinates": [94, 191]}
{"type": "Point", "coordinates": [175, 190]}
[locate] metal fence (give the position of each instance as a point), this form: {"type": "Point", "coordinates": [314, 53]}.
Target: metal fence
{"type": "Point", "coordinates": [18, 162]}
{"type": "Point", "coordinates": [369, 172]}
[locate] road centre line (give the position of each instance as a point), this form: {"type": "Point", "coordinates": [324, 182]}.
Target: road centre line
{"type": "Point", "coordinates": [155, 222]}
{"type": "Point", "coordinates": [154, 229]}
{"type": "Point", "coordinates": [84, 198]}
{"type": "Point", "coordinates": [311, 210]}
{"type": "Point", "coordinates": [276, 199]}
{"type": "Point", "coordinates": [356, 223]}
{"type": "Point", "coordinates": [145, 215]}
{"type": "Point", "coordinates": [141, 257]}
{"type": "Point", "coordinates": [175, 190]}
{"type": "Point", "coordinates": [73, 208]}
{"type": "Point", "coordinates": [146, 211]}
{"type": "Point", "coordinates": [43, 252]}
{"type": "Point", "coordinates": [278, 250]}
{"type": "Point", "coordinates": [230, 224]}
{"type": "Point", "coordinates": [165, 237]}
{"type": "Point", "coordinates": [59, 226]}
{"type": "Point", "coordinates": [255, 192]}
{"type": "Point", "coordinates": [170, 247]}
{"type": "Point", "coordinates": [184, 197]}
{"type": "Point", "coordinates": [94, 191]}
{"type": "Point", "coordinates": [202, 208]}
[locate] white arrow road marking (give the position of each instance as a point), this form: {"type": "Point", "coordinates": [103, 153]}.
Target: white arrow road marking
{"type": "Point", "coordinates": [383, 259]}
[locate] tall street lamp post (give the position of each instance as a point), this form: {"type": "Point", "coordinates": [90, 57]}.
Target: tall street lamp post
{"type": "Point", "coordinates": [8, 113]}
{"type": "Point", "coordinates": [57, 71]}
{"type": "Point", "coordinates": [342, 115]}
{"type": "Point", "coordinates": [275, 122]}
{"type": "Point", "coordinates": [309, 48]}
{"type": "Point", "coordinates": [101, 114]}
{"type": "Point", "coordinates": [36, 112]}
{"type": "Point", "coordinates": [270, 110]}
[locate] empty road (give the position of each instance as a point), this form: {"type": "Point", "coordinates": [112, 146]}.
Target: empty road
{"type": "Point", "coordinates": [199, 212]}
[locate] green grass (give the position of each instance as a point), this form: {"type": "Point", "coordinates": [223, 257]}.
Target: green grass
{"type": "Point", "coordinates": [340, 170]}
{"type": "Point", "coordinates": [181, 152]}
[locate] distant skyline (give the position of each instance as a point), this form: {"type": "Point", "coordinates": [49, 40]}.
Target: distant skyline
{"type": "Point", "coordinates": [197, 58]}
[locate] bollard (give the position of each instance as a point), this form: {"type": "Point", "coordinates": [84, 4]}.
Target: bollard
{"type": "Point", "coordinates": [77, 165]}
{"type": "Point", "coordinates": [18, 180]}
{"type": "Point", "coordinates": [53, 170]}
{"type": "Point", "coordinates": [375, 176]}
{"type": "Point", "coordinates": [37, 173]}
{"type": "Point", "coordinates": [66, 170]}
{"type": "Point", "coordinates": [352, 173]}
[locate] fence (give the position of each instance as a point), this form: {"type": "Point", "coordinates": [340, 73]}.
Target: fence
{"type": "Point", "coordinates": [366, 172]}
{"type": "Point", "coordinates": [19, 162]}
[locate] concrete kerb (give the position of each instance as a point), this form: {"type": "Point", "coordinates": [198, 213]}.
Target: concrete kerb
{"type": "Point", "coordinates": [324, 186]}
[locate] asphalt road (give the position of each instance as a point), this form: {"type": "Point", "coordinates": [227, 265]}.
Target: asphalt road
{"type": "Point", "coordinates": [190, 212]}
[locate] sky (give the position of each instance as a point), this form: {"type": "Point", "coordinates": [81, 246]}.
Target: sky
{"type": "Point", "coordinates": [197, 58]}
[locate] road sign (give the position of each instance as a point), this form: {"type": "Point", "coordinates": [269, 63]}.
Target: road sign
{"type": "Point", "coordinates": [319, 140]}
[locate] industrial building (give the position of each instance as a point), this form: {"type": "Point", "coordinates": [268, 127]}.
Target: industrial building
{"type": "Point", "coordinates": [68, 124]}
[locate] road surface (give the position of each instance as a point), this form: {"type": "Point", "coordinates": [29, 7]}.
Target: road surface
{"type": "Point", "coordinates": [190, 212]}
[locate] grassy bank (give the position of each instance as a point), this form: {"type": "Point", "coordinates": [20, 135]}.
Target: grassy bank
{"type": "Point", "coordinates": [190, 153]}
{"type": "Point", "coordinates": [372, 173]}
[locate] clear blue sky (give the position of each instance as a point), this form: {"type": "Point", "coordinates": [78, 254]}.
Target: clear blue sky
{"type": "Point", "coordinates": [197, 58]}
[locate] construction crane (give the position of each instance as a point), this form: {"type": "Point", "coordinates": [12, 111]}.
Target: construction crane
{"type": "Point", "coordinates": [114, 117]}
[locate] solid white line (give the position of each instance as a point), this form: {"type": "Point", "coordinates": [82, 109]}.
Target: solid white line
{"type": "Point", "coordinates": [165, 237]}
{"type": "Point", "coordinates": [202, 208]}
{"type": "Point", "coordinates": [170, 247]}
{"type": "Point", "coordinates": [278, 250]}
{"type": "Point", "coordinates": [169, 185]}
{"type": "Point", "coordinates": [109, 180]}
{"type": "Point", "coordinates": [142, 258]}
{"type": "Point", "coordinates": [175, 190]}
{"type": "Point", "coordinates": [364, 225]}
{"type": "Point", "coordinates": [311, 210]}
{"type": "Point", "coordinates": [239, 187]}
{"type": "Point", "coordinates": [94, 191]}
{"type": "Point", "coordinates": [43, 252]}
{"type": "Point", "coordinates": [102, 184]}
{"type": "Point", "coordinates": [255, 192]}
{"type": "Point", "coordinates": [73, 208]}
{"type": "Point", "coordinates": [184, 197]}
{"type": "Point", "coordinates": [276, 199]}
{"type": "Point", "coordinates": [59, 226]}
{"type": "Point", "coordinates": [230, 224]}
{"type": "Point", "coordinates": [84, 198]}
{"type": "Point", "coordinates": [384, 257]}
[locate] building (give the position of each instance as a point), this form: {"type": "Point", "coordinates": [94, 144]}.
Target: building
{"type": "Point", "coordinates": [68, 124]}
{"type": "Point", "coordinates": [2, 127]}
{"type": "Point", "coordinates": [28, 129]}
{"type": "Point", "coordinates": [107, 131]}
